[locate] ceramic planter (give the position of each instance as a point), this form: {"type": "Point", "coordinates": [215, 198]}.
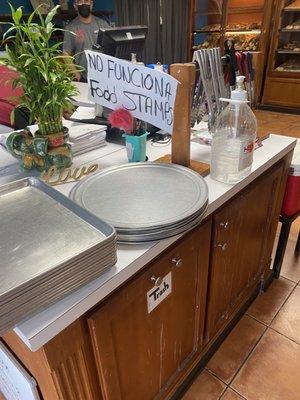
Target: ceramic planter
{"type": "Point", "coordinates": [136, 147]}
{"type": "Point", "coordinates": [40, 151]}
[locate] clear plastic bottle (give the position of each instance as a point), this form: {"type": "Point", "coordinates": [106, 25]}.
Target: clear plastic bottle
{"type": "Point", "coordinates": [233, 139]}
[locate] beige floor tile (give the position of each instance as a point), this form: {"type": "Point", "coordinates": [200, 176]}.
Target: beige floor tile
{"type": "Point", "coordinates": [272, 370]}
{"type": "Point", "coordinates": [231, 395]}
{"type": "Point", "coordinates": [267, 304]}
{"type": "Point", "coordinates": [287, 320]}
{"type": "Point", "coordinates": [205, 387]}
{"type": "Point", "coordinates": [235, 349]}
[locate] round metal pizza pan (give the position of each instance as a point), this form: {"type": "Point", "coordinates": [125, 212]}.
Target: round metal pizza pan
{"type": "Point", "coordinates": [141, 198]}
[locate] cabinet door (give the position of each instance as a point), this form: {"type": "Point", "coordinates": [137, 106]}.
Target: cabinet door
{"type": "Point", "coordinates": [140, 354]}
{"type": "Point", "coordinates": [240, 229]}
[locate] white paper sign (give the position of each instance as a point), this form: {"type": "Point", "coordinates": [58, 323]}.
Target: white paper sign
{"type": "Point", "coordinates": [158, 293]}
{"type": "Point", "coordinates": [15, 382]}
{"type": "Point", "coordinates": [147, 93]}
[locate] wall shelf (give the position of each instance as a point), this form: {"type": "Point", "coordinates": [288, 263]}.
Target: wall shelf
{"type": "Point", "coordinates": [289, 30]}
{"type": "Point", "coordinates": [250, 32]}
{"type": "Point", "coordinates": [206, 31]}
{"type": "Point", "coordinates": [283, 51]}
{"type": "Point", "coordinates": [245, 10]}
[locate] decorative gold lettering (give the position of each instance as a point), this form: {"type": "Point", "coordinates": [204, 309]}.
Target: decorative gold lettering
{"type": "Point", "coordinates": [53, 176]}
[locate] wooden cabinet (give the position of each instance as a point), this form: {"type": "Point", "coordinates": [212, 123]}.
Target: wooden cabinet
{"type": "Point", "coordinates": [121, 351]}
{"type": "Point", "coordinates": [240, 230]}
{"type": "Point", "coordinates": [140, 355]}
{"type": "Point", "coordinates": [64, 368]}
{"type": "Point", "coordinates": [245, 22]}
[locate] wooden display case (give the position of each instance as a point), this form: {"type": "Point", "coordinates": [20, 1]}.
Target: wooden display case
{"type": "Point", "coordinates": [282, 84]}
{"type": "Point", "coordinates": [215, 20]}
{"type": "Point", "coordinates": [246, 22]}
{"type": "Point", "coordinates": [208, 23]}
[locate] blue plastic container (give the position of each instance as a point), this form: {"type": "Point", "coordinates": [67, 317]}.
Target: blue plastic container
{"type": "Point", "coordinates": [165, 67]}
{"type": "Point", "coordinates": [136, 147]}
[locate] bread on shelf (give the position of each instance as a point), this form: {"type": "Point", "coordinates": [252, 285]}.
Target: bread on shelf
{"type": "Point", "coordinates": [294, 25]}
{"type": "Point", "coordinates": [291, 65]}
{"type": "Point", "coordinates": [248, 42]}
{"type": "Point", "coordinates": [292, 46]}
{"type": "Point", "coordinates": [212, 27]}
{"type": "Point", "coordinates": [294, 5]}
{"type": "Point", "coordinates": [243, 27]}
{"type": "Point", "coordinates": [212, 40]}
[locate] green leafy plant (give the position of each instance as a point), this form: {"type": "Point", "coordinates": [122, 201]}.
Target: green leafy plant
{"type": "Point", "coordinates": [44, 72]}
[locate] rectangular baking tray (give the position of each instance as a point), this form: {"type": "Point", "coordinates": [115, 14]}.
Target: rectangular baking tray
{"type": "Point", "coordinates": [59, 282]}
{"type": "Point", "coordinates": [41, 230]}
{"type": "Point", "coordinates": [39, 302]}
{"type": "Point", "coordinates": [71, 269]}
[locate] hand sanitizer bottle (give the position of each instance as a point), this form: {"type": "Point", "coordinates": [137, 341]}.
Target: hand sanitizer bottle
{"type": "Point", "coordinates": [234, 138]}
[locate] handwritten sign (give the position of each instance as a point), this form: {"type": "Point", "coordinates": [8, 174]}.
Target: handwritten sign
{"type": "Point", "coordinates": [148, 94]}
{"type": "Point", "coordinates": [158, 293]}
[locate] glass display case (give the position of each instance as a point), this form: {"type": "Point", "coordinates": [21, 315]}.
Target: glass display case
{"type": "Point", "coordinates": [208, 23]}
{"type": "Point", "coordinates": [238, 20]}
{"type": "Point", "coordinates": [244, 23]}
{"type": "Point", "coordinates": [282, 82]}
{"type": "Point", "coordinates": [287, 53]}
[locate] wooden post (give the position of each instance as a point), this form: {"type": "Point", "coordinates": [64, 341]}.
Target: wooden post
{"type": "Point", "coordinates": [185, 74]}
{"type": "Point", "coordinates": [181, 138]}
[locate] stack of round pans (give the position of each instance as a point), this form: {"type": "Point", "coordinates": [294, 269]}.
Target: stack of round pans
{"type": "Point", "coordinates": [145, 201]}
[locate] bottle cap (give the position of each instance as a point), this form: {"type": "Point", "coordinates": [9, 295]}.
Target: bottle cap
{"type": "Point", "coordinates": [239, 94]}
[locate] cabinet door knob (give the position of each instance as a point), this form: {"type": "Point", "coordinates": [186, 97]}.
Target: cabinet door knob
{"type": "Point", "coordinates": [225, 225]}
{"type": "Point", "coordinates": [177, 262]}
{"type": "Point", "coordinates": [223, 247]}
{"type": "Point", "coordinates": [157, 281]}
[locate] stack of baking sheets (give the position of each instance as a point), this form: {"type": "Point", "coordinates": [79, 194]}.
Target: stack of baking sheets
{"type": "Point", "coordinates": [145, 201]}
{"type": "Point", "coordinates": [49, 247]}
{"type": "Point", "coordinates": [86, 137]}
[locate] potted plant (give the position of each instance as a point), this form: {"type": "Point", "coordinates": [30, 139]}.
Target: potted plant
{"type": "Point", "coordinates": [46, 79]}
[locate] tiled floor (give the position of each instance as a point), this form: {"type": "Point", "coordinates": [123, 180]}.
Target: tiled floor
{"type": "Point", "coordinates": [260, 359]}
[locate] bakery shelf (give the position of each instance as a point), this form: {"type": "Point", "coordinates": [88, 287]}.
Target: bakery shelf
{"type": "Point", "coordinates": [206, 31]}
{"type": "Point", "coordinates": [244, 32]}
{"type": "Point", "coordinates": [294, 6]}
{"type": "Point", "coordinates": [245, 10]}
{"type": "Point", "coordinates": [284, 51]}
{"type": "Point", "coordinates": [289, 30]}
{"type": "Point", "coordinates": [296, 71]}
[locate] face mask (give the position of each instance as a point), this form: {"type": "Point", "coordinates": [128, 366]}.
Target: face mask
{"type": "Point", "coordinates": [84, 10]}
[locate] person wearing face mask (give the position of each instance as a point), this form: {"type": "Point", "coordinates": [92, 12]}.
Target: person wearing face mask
{"type": "Point", "coordinates": [85, 27]}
